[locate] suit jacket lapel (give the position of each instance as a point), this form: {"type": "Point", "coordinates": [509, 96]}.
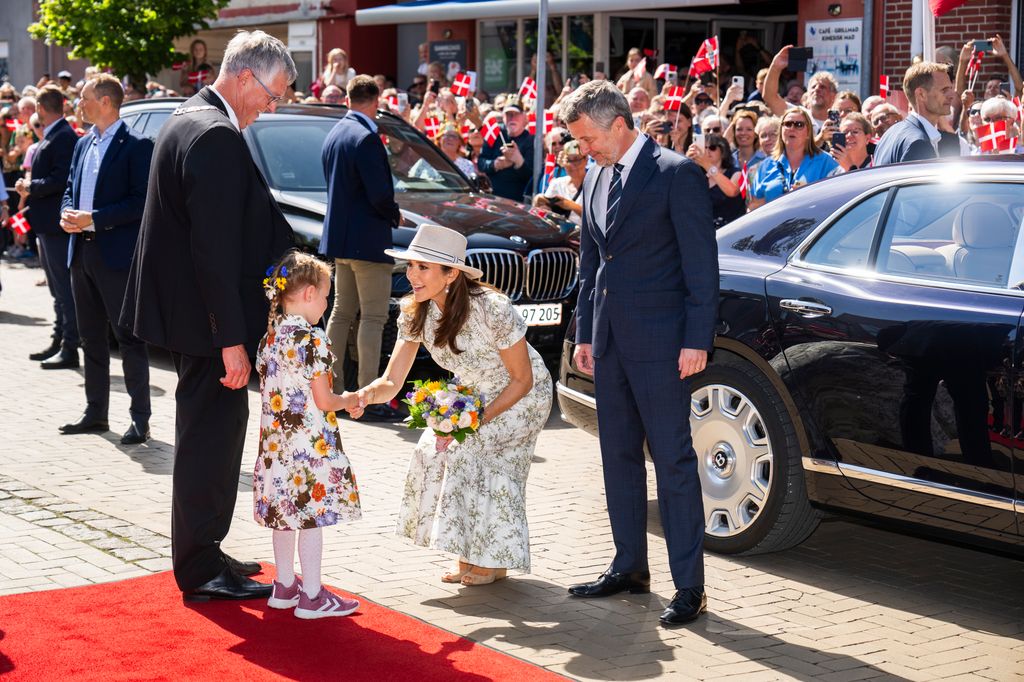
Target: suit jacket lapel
{"type": "Point", "coordinates": [116, 145]}
{"type": "Point", "coordinates": [635, 181]}
{"type": "Point", "coordinates": [589, 187]}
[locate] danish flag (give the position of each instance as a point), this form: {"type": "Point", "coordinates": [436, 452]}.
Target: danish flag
{"type": "Point", "coordinates": [462, 85]}
{"type": "Point", "coordinates": [12, 124]}
{"type": "Point", "coordinates": [431, 126]}
{"type": "Point", "coordinates": [549, 167]}
{"type": "Point", "coordinates": [883, 87]}
{"type": "Point", "coordinates": [393, 102]}
{"type": "Point", "coordinates": [19, 223]}
{"type": "Point", "coordinates": [196, 78]}
{"type": "Point", "coordinates": [673, 98]}
{"type": "Point", "coordinates": [464, 131]}
{"type": "Point", "coordinates": [992, 137]}
{"type": "Point", "coordinates": [528, 90]}
{"type": "Point", "coordinates": [973, 68]}
{"type": "Point", "coordinates": [1020, 110]}
{"type": "Point", "coordinates": [492, 131]}
{"type": "Point", "coordinates": [665, 72]}
{"type": "Point", "coordinates": [709, 52]}
{"type": "Point", "coordinates": [549, 121]}
{"type": "Point", "coordinates": [744, 181]}
{"type": "Point", "coordinates": [640, 70]}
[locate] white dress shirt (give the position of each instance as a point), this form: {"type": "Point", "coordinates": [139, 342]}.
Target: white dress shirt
{"type": "Point", "coordinates": [231, 112]}
{"type": "Point", "coordinates": [599, 202]}
{"type": "Point", "coordinates": [98, 146]}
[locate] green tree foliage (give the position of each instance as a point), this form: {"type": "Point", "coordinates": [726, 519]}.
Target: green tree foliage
{"type": "Point", "coordinates": [131, 37]}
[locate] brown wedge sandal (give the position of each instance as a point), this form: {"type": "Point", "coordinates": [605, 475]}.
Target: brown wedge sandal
{"type": "Point", "coordinates": [455, 576]}
{"type": "Point", "coordinates": [483, 576]}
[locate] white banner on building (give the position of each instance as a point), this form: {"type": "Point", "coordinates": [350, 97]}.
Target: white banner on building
{"type": "Point", "coordinates": [837, 48]}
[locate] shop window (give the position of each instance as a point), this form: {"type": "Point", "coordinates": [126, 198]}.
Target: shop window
{"type": "Point", "coordinates": [626, 33]}
{"type": "Point", "coordinates": [498, 55]}
{"type": "Point", "coordinates": [554, 47]}
{"type": "Point", "coordinates": [580, 55]}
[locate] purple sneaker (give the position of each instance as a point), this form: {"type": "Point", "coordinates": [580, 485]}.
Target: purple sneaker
{"type": "Point", "coordinates": [325, 605]}
{"type": "Point", "coordinates": [282, 597]}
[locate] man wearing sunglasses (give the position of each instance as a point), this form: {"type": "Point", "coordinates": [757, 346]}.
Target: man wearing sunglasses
{"type": "Point", "coordinates": [209, 230]}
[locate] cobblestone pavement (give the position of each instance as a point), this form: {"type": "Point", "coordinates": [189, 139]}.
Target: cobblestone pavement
{"type": "Point", "coordinates": [851, 603]}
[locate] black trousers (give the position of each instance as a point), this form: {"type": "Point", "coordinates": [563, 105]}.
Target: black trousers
{"type": "Point", "coordinates": [54, 257]}
{"type": "Point", "coordinates": [209, 438]}
{"type": "Point", "coordinates": [647, 399]}
{"type": "Point", "coordinates": [99, 293]}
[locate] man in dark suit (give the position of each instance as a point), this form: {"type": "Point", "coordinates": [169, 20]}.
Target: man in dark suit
{"type": "Point", "coordinates": [361, 211]}
{"type": "Point", "coordinates": [508, 161]}
{"type": "Point", "coordinates": [101, 211]}
{"type": "Point", "coordinates": [917, 137]}
{"type": "Point", "coordinates": [50, 167]}
{"type": "Point", "coordinates": [209, 231]}
{"type": "Point", "coordinates": [645, 323]}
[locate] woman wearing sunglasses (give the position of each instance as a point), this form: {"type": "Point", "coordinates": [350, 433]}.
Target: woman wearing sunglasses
{"type": "Point", "coordinates": [795, 161]}
{"type": "Point", "coordinates": [715, 158]}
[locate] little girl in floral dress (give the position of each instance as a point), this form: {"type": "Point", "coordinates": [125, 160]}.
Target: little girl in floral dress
{"type": "Point", "coordinates": [303, 480]}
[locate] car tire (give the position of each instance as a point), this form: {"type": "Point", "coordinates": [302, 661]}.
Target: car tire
{"type": "Point", "coordinates": [741, 426]}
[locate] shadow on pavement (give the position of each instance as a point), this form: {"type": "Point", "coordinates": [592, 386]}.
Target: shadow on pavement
{"type": "Point", "coordinates": [7, 317]}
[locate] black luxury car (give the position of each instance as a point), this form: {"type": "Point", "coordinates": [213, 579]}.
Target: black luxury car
{"type": "Point", "coordinates": [531, 258]}
{"type": "Point", "coordinates": [868, 360]}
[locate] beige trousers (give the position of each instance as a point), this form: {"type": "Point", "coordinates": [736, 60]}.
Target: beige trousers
{"type": "Point", "coordinates": [361, 287]}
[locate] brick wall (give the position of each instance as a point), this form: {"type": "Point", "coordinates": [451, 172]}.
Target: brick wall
{"type": "Point", "coordinates": [976, 19]}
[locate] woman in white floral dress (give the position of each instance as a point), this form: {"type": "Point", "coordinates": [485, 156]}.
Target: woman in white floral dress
{"type": "Point", "coordinates": [468, 498]}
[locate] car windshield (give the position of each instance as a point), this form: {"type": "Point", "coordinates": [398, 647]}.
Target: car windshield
{"type": "Point", "coordinates": [289, 151]}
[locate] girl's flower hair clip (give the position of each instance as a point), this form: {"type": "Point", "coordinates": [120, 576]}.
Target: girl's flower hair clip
{"type": "Point", "coordinates": [273, 283]}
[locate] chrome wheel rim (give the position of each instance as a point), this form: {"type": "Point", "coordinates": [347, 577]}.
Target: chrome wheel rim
{"type": "Point", "coordinates": [734, 458]}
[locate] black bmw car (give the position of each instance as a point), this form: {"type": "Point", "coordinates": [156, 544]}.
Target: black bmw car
{"type": "Point", "coordinates": [531, 258]}
{"type": "Point", "coordinates": [868, 360]}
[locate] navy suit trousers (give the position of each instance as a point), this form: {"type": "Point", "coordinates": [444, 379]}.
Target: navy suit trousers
{"type": "Point", "coordinates": [647, 400]}
{"type": "Point", "coordinates": [54, 258]}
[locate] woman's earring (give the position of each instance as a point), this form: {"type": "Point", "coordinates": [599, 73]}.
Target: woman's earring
{"type": "Point", "coordinates": [446, 289]}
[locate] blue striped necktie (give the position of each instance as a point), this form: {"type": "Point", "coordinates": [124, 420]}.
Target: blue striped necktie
{"type": "Point", "coordinates": [614, 194]}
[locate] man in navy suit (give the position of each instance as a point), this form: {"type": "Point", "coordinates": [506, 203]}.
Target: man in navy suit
{"type": "Point", "coordinates": [361, 211]}
{"type": "Point", "coordinates": [50, 167]}
{"type": "Point", "coordinates": [916, 138]}
{"type": "Point", "coordinates": [645, 323]}
{"type": "Point", "coordinates": [101, 210]}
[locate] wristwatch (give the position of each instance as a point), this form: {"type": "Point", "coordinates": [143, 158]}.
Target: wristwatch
{"type": "Point", "coordinates": [713, 171]}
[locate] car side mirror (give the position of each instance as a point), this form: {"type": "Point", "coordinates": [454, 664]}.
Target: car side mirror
{"type": "Point", "coordinates": [482, 183]}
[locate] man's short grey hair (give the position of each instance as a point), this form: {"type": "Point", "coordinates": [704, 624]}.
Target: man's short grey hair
{"type": "Point", "coordinates": [998, 105]}
{"type": "Point", "coordinates": [261, 53]}
{"type": "Point", "coordinates": [600, 101]}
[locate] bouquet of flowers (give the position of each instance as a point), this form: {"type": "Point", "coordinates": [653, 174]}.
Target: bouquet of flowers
{"type": "Point", "coordinates": [447, 407]}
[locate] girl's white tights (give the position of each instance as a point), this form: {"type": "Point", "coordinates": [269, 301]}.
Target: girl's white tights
{"type": "Point", "coordinates": [311, 549]}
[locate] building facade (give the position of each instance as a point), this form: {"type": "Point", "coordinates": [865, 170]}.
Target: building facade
{"type": "Point", "coordinates": [23, 61]}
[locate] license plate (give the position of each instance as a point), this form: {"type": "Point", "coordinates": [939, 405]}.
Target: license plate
{"type": "Point", "coordinates": [541, 315]}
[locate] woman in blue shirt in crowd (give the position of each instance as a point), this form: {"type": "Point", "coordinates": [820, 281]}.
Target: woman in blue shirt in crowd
{"type": "Point", "coordinates": [796, 160]}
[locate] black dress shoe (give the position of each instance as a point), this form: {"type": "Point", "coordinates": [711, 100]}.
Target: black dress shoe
{"type": "Point", "coordinates": [242, 567]}
{"type": "Point", "coordinates": [382, 413]}
{"type": "Point", "coordinates": [685, 607]}
{"type": "Point", "coordinates": [48, 353]}
{"type": "Point", "coordinates": [64, 360]}
{"type": "Point", "coordinates": [85, 424]}
{"type": "Point", "coordinates": [609, 583]}
{"type": "Point", "coordinates": [136, 434]}
{"type": "Point", "coordinates": [228, 585]}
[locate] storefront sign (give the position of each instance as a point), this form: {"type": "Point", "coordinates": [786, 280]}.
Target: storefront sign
{"type": "Point", "coordinates": [837, 48]}
{"type": "Point", "coordinates": [451, 53]}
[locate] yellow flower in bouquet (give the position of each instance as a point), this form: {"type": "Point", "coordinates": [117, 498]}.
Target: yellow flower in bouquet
{"type": "Point", "coordinates": [450, 408]}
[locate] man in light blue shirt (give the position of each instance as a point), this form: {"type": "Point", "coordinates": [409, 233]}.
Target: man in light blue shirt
{"type": "Point", "coordinates": [101, 210]}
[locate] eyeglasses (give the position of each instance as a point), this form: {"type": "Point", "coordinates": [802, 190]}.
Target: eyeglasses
{"type": "Point", "coordinates": [273, 98]}
{"type": "Point", "coordinates": [703, 100]}
{"type": "Point", "coordinates": [577, 160]}
{"type": "Point", "coordinates": [794, 124]}
{"type": "Point", "coordinates": [713, 148]}
{"type": "Point", "coordinates": [974, 111]}
{"type": "Point", "coordinates": [715, 129]}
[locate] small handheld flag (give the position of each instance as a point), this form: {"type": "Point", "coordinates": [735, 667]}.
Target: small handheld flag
{"type": "Point", "coordinates": [665, 72]}
{"type": "Point", "coordinates": [19, 224]}
{"type": "Point", "coordinates": [461, 86]}
{"type": "Point", "coordinates": [528, 90]}
{"type": "Point", "coordinates": [883, 87]}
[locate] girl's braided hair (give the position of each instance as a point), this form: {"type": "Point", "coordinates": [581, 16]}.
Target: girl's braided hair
{"type": "Point", "coordinates": [295, 271]}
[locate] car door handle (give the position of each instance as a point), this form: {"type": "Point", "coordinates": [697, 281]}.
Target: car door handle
{"type": "Point", "coordinates": [805, 308]}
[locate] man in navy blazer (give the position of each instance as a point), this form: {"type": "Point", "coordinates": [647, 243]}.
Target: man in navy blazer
{"type": "Point", "coordinates": [361, 211]}
{"type": "Point", "coordinates": [102, 211]}
{"type": "Point", "coordinates": [916, 138]}
{"type": "Point", "coordinates": [50, 167]}
{"type": "Point", "coordinates": [646, 316]}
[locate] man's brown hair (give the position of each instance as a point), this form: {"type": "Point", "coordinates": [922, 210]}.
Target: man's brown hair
{"type": "Point", "coordinates": [106, 85]}
{"type": "Point", "coordinates": [362, 90]}
{"type": "Point", "coordinates": [51, 99]}
{"type": "Point", "coordinates": [921, 75]}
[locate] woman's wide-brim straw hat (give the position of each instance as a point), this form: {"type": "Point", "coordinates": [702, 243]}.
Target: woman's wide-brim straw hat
{"type": "Point", "coordinates": [436, 244]}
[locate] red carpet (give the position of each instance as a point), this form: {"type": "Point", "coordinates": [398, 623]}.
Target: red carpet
{"type": "Point", "coordinates": [139, 630]}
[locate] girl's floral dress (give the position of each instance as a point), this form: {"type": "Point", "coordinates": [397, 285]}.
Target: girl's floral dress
{"type": "Point", "coordinates": [303, 478]}
{"type": "Point", "coordinates": [471, 499]}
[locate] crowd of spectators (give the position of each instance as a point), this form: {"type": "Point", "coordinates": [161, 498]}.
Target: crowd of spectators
{"type": "Point", "coordinates": [754, 143]}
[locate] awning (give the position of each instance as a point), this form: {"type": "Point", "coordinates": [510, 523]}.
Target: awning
{"type": "Point", "coordinates": [417, 11]}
